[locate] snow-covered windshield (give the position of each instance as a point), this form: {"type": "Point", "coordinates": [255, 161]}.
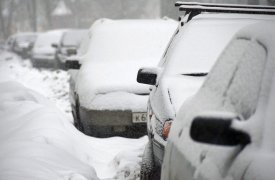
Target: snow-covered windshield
{"type": "Point", "coordinates": [73, 37]}
{"type": "Point", "coordinates": [199, 43]}
{"type": "Point", "coordinates": [28, 38]}
{"type": "Point", "coordinates": [129, 40]}
{"type": "Point", "coordinates": [48, 38]}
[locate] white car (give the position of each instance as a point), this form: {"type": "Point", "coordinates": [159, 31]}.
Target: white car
{"type": "Point", "coordinates": [43, 54]}
{"type": "Point", "coordinates": [190, 56]}
{"type": "Point", "coordinates": [225, 131]}
{"type": "Point", "coordinates": [108, 100]}
{"type": "Point", "coordinates": [69, 44]}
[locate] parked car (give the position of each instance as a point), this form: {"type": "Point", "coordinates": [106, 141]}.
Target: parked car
{"type": "Point", "coordinates": [23, 43]}
{"type": "Point", "coordinates": [182, 70]}
{"type": "Point", "coordinates": [43, 54]}
{"type": "Point", "coordinates": [73, 71]}
{"type": "Point", "coordinates": [69, 44]}
{"type": "Point", "coordinates": [231, 115]}
{"type": "Point", "coordinates": [108, 101]}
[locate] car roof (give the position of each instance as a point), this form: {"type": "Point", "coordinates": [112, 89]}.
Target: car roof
{"type": "Point", "coordinates": [233, 16]}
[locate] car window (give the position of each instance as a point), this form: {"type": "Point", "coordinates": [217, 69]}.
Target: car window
{"type": "Point", "coordinates": [84, 44]}
{"type": "Point", "coordinates": [73, 37]}
{"type": "Point", "coordinates": [237, 76]}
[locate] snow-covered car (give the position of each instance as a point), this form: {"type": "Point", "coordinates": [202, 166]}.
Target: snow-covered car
{"type": "Point", "coordinates": [23, 43]}
{"type": "Point", "coordinates": [107, 99]}
{"type": "Point", "coordinates": [69, 44]}
{"type": "Point", "coordinates": [182, 70]}
{"type": "Point", "coordinates": [232, 114]}
{"type": "Point", "coordinates": [43, 54]}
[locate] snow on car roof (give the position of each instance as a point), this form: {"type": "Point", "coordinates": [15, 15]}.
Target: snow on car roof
{"type": "Point", "coordinates": [200, 41]}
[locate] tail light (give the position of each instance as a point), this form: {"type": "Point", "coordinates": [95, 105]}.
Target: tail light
{"type": "Point", "coordinates": [166, 128]}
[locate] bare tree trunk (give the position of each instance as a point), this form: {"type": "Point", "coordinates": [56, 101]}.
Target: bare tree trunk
{"type": "Point", "coordinates": [10, 17]}
{"type": "Point", "coordinates": [47, 7]}
{"type": "Point", "coordinates": [34, 23]}
{"type": "Point", "coordinates": [32, 9]}
{"type": "Point", "coordinates": [3, 29]}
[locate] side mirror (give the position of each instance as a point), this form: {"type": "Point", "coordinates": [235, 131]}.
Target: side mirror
{"type": "Point", "coordinates": [216, 129]}
{"type": "Point", "coordinates": [72, 64]}
{"type": "Point", "coordinates": [148, 76]}
{"type": "Point", "coordinates": [54, 45]}
{"type": "Point", "coordinates": [71, 51]}
{"type": "Point", "coordinates": [30, 46]}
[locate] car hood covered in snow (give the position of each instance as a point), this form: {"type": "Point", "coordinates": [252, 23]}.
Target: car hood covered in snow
{"type": "Point", "coordinates": [103, 78]}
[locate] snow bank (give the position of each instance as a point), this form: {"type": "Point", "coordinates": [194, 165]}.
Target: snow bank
{"type": "Point", "coordinates": [38, 142]}
{"type": "Point", "coordinates": [34, 139]}
{"type": "Point", "coordinates": [51, 84]}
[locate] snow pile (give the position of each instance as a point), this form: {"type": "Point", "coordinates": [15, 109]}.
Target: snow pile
{"type": "Point", "coordinates": [35, 139]}
{"type": "Point", "coordinates": [38, 142]}
{"type": "Point", "coordinates": [52, 84]}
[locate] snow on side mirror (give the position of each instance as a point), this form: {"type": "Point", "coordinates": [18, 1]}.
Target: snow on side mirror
{"type": "Point", "coordinates": [148, 76]}
{"type": "Point", "coordinates": [72, 64]}
{"type": "Point", "coordinates": [216, 128]}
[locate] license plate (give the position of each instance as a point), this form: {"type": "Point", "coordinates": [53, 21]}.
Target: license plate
{"type": "Point", "coordinates": [139, 117]}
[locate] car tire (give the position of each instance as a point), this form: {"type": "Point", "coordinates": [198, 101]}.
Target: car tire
{"type": "Point", "coordinates": [77, 122]}
{"type": "Point", "coordinates": [148, 170]}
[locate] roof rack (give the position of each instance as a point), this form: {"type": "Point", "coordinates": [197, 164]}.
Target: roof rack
{"type": "Point", "coordinates": [200, 9]}
{"type": "Point", "coordinates": [244, 6]}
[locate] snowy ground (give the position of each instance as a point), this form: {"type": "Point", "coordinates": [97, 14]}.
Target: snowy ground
{"type": "Point", "coordinates": [112, 158]}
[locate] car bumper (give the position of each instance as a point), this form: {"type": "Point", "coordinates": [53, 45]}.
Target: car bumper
{"type": "Point", "coordinates": [111, 122]}
{"type": "Point", "coordinates": [158, 151]}
{"type": "Point", "coordinates": [44, 61]}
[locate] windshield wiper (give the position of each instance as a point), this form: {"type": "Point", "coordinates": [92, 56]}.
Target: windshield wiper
{"type": "Point", "coordinates": [195, 74]}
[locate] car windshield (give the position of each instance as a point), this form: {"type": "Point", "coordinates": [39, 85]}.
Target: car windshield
{"type": "Point", "coordinates": [73, 38]}
{"type": "Point", "coordinates": [28, 38]}
{"type": "Point", "coordinates": [199, 43]}
{"type": "Point", "coordinates": [46, 39]}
